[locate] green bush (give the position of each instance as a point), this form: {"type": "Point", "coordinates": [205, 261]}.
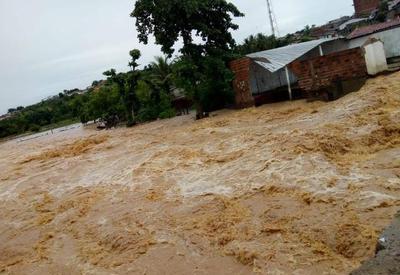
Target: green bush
{"type": "Point", "coordinates": [34, 128]}
{"type": "Point", "coordinates": [169, 113]}
{"type": "Point", "coordinates": [147, 114]}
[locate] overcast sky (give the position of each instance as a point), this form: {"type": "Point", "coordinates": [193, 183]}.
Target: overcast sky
{"type": "Point", "coordinates": [47, 46]}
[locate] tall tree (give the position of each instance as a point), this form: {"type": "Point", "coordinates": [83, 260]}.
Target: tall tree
{"type": "Point", "coordinates": [132, 82]}
{"type": "Point", "coordinates": [135, 55]}
{"type": "Point", "coordinates": [126, 84]}
{"type": "Point", "coordinates": [259, 42]}
{"type": "Point", "coordinates": [161, 74]}
{"type": "Point", "coordinates": [204, 27]}
{"type": "Point", "coordinates": [169, 20]}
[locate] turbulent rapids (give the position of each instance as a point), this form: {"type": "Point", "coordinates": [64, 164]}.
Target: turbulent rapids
{"type": "Point", "coordinates": [287, 188]}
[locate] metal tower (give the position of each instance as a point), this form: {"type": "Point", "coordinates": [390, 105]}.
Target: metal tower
{"type": "Point", "coordinates": [272, 19]}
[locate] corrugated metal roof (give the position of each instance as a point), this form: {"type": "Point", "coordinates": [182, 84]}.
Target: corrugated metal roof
{"type": "Point", "coordinates": [351, 21]}
{"type": "Point", "coordinates": [367, 30]}
{"type": "Point", "coordinates": [276, 59]}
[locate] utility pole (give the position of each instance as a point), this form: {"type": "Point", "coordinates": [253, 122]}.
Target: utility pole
{"type": "Point", "coordinates": [272, 19]}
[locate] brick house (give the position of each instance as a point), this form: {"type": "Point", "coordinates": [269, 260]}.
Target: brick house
{"type": "Point", "coordinates": [325, 68]}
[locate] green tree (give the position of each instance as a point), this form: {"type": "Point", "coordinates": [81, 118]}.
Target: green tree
{"type": "Point", "coordinates": [130, 97]}
{"type": "Point", "coordinates": [262, 42]}
{"type": "Point", "coordinates": [103, 103]}
{"type": "Point", "coordinates": [148, 105]}
{"type": "Point", "coordinates": [135, 55]}
{"type": "Point", "coordinates": [208, 83]}
{"type": "Point", "coordinates": [154, 90]}
{"type": "Point", "coordinates": [161, 74]}
{"type": "Point", "coordinates": [259, 42]}
{"type": "Point", "coordinates": [126, 84]}
{"type": "Point", "coordinates": [207, 20]}
{"type": "Point", "coordinates": [170, 20]}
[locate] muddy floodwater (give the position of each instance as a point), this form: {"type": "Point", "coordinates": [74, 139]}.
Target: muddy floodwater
{"type": "Point", "coordinates": [287, 188]}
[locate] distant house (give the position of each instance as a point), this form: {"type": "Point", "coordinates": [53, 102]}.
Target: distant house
{"type": "Point", "coordinates": [5, 116]}
{"type": "Point", "coordinates": [347, 27]}
{"type": "Point", "coordinates": [387, 32]}
{"type": "Point", "coordinates": [394, 10]}
{"type": "Point", "coordinates": [330, 29]}
{"type": "Point", "coordinates": [323, 32]}
{"type": "Point", "coordinates": [180, 101]}
{"type": "Point", "coordinates": [365, 7]}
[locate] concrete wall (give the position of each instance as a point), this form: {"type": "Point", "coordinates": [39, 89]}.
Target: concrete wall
{"type": "Point", "coordinates": [323, 71]}
{"type": "Point", "coordinates": [375, 58]}
{"type": "Point", "coordinates": [390, 39]}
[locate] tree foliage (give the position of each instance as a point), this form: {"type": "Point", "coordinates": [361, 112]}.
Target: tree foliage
{"type": "Point", "coordinates": [204, 27]}
{"type": "Point", "coordinates": [207, 83]}
{"type": "Point", "coordinates": [155, 90]}
{"type": "Point", "coordinates": [262, 42]}
{"type": "Point", "coordinates": [126, 85]}
{"type": "Point", "coordinates": [259, 42]}
{"type": "Point", "coordinates": [200, 71]}
{"type": "Point", "coordinates": [191, 20]}
{"type": "Point", "coordinates": [33, 118]}
{"type": "Point", "coordinates": [161, 74]}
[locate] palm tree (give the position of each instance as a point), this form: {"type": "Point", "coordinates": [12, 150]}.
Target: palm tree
{"type": "Point", "coordinates": [161, 74]}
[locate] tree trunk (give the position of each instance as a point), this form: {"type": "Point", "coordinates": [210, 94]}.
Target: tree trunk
{"type": "Point", "coordinates": [199, 112]}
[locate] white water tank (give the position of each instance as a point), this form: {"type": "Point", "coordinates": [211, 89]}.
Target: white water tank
{"type": "Point", "coordinates": [375, 57]}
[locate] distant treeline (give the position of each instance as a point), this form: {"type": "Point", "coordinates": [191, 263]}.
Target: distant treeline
{"type": "Point", "coordinates": [153, 96]}
{"type": "Point", "coordinates": [33, 118]}
{"type": "Point", "coordinates": [201, 74]}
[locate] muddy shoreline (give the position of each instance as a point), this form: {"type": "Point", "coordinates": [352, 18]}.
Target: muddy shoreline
{"type": "Point", "coordinates": [387, 257]}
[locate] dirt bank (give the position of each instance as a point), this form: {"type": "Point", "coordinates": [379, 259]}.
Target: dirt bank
{"type": "Point", "coordinates": [387, 258]}
{"type": "Point", "coordinates": [288, 188]}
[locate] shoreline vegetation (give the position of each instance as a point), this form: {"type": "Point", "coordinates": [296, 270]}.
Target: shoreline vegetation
{"type": "Point", "coordinates": [53, 126]}
{"type": "Point", "coordinates": [200, 74]}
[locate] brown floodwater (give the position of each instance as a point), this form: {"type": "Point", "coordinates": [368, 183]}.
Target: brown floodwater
{"type": "Point", "coordinates": [287, 188]}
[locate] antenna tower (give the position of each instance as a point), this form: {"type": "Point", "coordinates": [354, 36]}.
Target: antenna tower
{"type": "Point", "coordinates": [272, 19]}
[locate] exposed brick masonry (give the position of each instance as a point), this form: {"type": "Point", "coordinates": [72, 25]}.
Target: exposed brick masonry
{"type": "Point", "coordinates": [241, 83]}
{"type": "Point", "coordinates": [365, 7]}
{"type": "Point", "coordinates": [321, 72]}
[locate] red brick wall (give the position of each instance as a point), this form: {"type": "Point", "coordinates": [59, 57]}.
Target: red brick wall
{"type": "Point", "coordinates": [321, 72]}
{"type": "Point", "coordinates": [241, 83]}
{"type": "Point", "coordinates": [365, 7]}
